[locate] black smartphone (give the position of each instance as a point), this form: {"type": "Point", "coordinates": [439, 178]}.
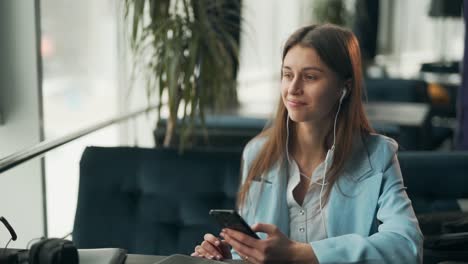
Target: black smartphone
{"type": "Point", "coordinates": [231, 219]}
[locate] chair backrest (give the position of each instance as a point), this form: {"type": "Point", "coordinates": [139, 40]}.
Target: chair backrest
{"type": "Point", "coordinates": [152, 201]}
{"type": "Point", "coordinates": [435, 180]}
{"type": "Point", "coordinates": [396, 90]}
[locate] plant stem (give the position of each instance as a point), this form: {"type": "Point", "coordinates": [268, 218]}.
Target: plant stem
{"type": "Point", "coordinates": [171, 123]}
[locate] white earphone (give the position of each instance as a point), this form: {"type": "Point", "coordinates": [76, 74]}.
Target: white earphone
{"type": "Point", "coordinates": [328, 157]}
{"type": "Point", "coordinates": [343, 94]}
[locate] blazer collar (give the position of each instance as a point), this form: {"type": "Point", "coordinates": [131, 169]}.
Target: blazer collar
{"type": "Point", "coordinates": [359, 165]}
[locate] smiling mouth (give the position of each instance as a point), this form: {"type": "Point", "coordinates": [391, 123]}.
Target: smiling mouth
{"type": "Point", "coordinates": [294, 103]}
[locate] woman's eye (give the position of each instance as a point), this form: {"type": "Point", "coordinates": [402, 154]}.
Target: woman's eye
{"type": "Point", "coordinates": [287, 75]}
{"type": "Point", "coordinates": [310, 77]}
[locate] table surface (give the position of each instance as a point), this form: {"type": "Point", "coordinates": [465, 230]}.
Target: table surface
{"type": "Point", "coordinates": [404, 114]}
{"type": "Point", "coordinates": [148, 259]}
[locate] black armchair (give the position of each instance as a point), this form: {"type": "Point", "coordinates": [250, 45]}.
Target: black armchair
{"type": "Point", "coordinates": [152, 201]}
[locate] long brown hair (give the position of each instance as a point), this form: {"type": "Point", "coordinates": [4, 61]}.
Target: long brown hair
{"type": "Point", "coordinates": [339, 49]}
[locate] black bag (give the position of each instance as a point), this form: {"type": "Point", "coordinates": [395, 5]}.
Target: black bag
{"type": "Point", "coordinates": [445, 236]}
{"type": "Point", "coordinates": [46, 251]}
{"type": "Point", "coordinates": [53, 251]}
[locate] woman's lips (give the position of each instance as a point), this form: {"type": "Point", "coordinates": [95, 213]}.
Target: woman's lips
{"type": "Point", "coordinates": [295, 103]}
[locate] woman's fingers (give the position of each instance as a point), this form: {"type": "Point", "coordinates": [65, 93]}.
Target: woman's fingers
{"type": "Point", "coordinates": [244, 250]}
{"type": "Point", "coordinates": [212, 248]}
{"type": "Point", "coordinates": [226, 249]}
{"type": "Point", "coordinates": [199, 251]}
{"type": "Point", "coordinates": [239, 236]}
{"type": "Point", "coordinates": [265, 228]}
{"type": "Point", "coordinates": [216, 242]}
{"type": "Point", "coordinates": [223, 250]}
{"type": "Point", "coordinates": [212, 239]}
{"type": "Point", "coordinates": [211, 251]}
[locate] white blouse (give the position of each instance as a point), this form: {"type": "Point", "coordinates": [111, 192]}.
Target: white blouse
{"type": "Point", "coordinates": [305, 222]}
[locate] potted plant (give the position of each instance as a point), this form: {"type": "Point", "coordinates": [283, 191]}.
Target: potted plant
{"type": "Point", "coordinates": [332, 11]}
{"type": "Point", "coordinates": [186, 51]}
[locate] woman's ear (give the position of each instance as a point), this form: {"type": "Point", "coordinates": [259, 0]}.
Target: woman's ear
{"type": "Point", "coordinates": [348, 84]}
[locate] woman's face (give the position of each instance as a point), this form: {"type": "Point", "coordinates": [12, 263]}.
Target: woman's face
{"type": "Point", "coordinates": [309, 88]}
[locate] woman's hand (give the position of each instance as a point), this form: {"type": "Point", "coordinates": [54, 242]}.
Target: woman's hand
{"type": "Point", "coordinates": [212, 248]}
{"type": "Point", "coordinates": [276, 248]}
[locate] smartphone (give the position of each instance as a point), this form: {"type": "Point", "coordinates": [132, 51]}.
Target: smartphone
{"type": "Point", "coordinates": [231, 219]}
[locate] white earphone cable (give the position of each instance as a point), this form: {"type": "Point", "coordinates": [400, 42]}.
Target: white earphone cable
{"type": "Point", "coordinates": [328, 158]}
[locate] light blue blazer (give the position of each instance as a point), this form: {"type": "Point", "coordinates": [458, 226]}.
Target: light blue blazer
{"type": "Point", "coordinates": [370, 218]}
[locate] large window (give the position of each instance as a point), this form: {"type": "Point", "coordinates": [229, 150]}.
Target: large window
{"type": "Point", "coordinates": [79, 53]}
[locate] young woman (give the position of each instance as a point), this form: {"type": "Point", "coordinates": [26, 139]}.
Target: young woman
{"type": "Point", "coordinates": [318, 185]}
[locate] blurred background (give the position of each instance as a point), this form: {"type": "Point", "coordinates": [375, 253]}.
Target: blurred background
{"type": "Point", "coordinates": [67, 65]}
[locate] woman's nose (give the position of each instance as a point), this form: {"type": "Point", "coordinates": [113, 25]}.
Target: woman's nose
{"type": "Point", "coordinates": [295, 86]}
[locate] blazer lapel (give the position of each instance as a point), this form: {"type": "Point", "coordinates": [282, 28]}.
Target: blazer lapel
{"type": "Point", "coordinates": [353, 199]}
{"type": "Point", "coordinates": [271, 194]}
{"type": "Point", "coordinates": [352, 205]}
